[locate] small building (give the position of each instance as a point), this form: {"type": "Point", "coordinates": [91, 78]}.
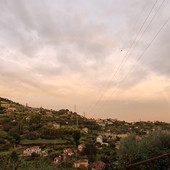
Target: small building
{"type": "Point", "coordinates": [64, 156]}
{"type": "Point", "coordinates": [69, 152]}
{"type": "Point", "coordinates": [29, 151]}
{"type": "Point", "coordinates": [57, 160]}
{"type": "Point", "coordinates": [101, 124]}
{"type": "Point", "coordinates": [81, 147]}
{"type": "Point", "coordinates": [44, 153]}
{"type": "Point", "coordinates": [85, 130]}
{"type": "Point", "coordinates": [56, 125]}
{"type": "Point", "coordinates": [27, 118]}
{"type": "Point", "coordinates": [6, 105]}
{"type": "Point", "coordinates": [104, 143]}
{"type": "Point", "coordinates": [109, 122]}
{"type": "Point", "coordinates": [12, 109]}
{"type": "Point", "coordinates": [117, 145]}
{"type": "Point", "coordinates": [82, 163]}
{"type": "Point", "coordinates": [98, 165]}
{"type": "Point", "coordinates": [99, 139]}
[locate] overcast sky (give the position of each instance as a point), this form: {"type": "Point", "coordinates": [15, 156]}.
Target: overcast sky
{"type": "Point", "coordinates": [56, 54]}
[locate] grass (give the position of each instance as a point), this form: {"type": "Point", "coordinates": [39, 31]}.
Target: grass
{"type": "Point", "coordinates": [5, 152]}
{"type": "Point", "coordinates": [43, 141]}
{"type": "Point", "coordinates": [10, 151]}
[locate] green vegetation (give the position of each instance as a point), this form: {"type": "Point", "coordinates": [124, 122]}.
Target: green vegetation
{"type": "Point", "coordinates": [42, 141]}
{"type": "Point", "coordinates": [56, 133]}
{"type": "Point", "coordinates": [134, 150]}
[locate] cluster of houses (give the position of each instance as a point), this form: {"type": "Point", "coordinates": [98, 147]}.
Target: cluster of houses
{"type": "Point", "coordinates": [68, 153]}
{"type": "Point", "coordinates": [81, 163]}
{"type": "Point", "coordinates": [104, 122]}
{"type": "Point", "coordinates": [34, 149]}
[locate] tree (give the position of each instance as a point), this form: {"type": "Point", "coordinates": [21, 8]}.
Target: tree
{"type": "Point", "coordinates": [90, 150]}
{"type": "Point", "coordinates": [35, 118]}
{"type": "Point", "coordinates": [14, 156]}
{"type": "Point", "coordinates": [2, 110]}
{"type": "Point", "coordinates": [76, 137]}
{"type": "Point", "coordinates": [3, 134]}
{"type": "Point", "coordinates": [133, 150]}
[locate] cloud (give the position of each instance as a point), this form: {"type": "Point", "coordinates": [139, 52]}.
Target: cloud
{"type": "Point", "coordinates": [57, 48]}
{"type": "Point", "coordinates": [157, 60]}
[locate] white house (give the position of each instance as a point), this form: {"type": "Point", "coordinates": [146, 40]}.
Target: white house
{"type": "Point", "coordinates": [81, 147]}
{"type": "Point", "coordinates": [11, 109]}
{"type": "Point", "coordinates": [99, 139]}
{"type": "Point", "coordinates": [69, 152]}
{"type": "Point", "coordinates": [83, 163]}
{"type": "Point", "coordinates": [34, 149]}
{"type": "Point", "coordinates": [85, 130]}
{"type": "Point", "coordinates": [56, 125]}
{"type": "Point", "coordinates": [57, 160]}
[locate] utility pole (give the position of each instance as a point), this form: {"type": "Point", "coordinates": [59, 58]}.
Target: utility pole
{"type": "Point", "coordinates": [77, 129]}
{"type": "Point", "coordinates": [76, 116]}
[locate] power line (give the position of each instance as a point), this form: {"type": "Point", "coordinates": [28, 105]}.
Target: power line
{"type": "Point", "coordinates": [125, 57]}
{"type": "Point", "coordinates": [149, 25]}
{"type": "Point", "coordinates": [144, 51]}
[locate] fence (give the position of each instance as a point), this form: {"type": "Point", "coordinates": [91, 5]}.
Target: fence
{"type": "Point", "coordinates": [150, 161]}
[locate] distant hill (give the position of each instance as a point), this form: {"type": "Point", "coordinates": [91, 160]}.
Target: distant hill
{"type": "Point", "coordinates": [71, 119]}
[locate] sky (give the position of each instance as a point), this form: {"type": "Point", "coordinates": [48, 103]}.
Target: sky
{"type": "Point", "coordinates": [109, 58]}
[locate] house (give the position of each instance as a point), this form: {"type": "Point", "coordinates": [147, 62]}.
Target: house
{"type": "Point", "coordinates": [69, 112]}
{"type": "Point", "coordinates": [69, 152]}
{"type": "Point", "coordinates": [6, 105]}
{"type": "Point", "coordinates": [57, 160]}
{"type": "Point", "coordinates": [81, 147]}
{"type": "Point", "coordinates": [56, 125]}
{"type": "Point", "coordinates": [64, 156]}
{"type": "Point", "coordinates": [86, 130]}
{"type": "Point", "coordinates": [11, 109]}
{"type": "Point", "coordinates": [100, 122]}
{"type": "Point", "coordinates": [82, 163]}
{"type": "Point", "coordinates": [106, 144]}
{"type": "Point", "coordinates": [27, 118]}
{"type": "Point", "coordinates": [98, 165]}
{"type": "Point", "coordinates": [44, 153]}
{"type": "Point", "coordinates": [109, 122]}
{"type": "Point", "coordinates": [99, 139]}
{"type": "Point", "coordinates": [34, 149]}
{"type": "Point", "coordinates": [117, 145]}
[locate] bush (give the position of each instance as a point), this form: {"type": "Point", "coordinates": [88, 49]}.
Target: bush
{"type": "Point", "coordinates": [133, 150]}
{"type": "Point", "coordinates": [32, 135]}
{"type": "Point", "coordinates": [3, 134]}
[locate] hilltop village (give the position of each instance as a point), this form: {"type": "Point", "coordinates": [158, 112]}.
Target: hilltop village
{"type": "Point", "coordinates": [38, 137]}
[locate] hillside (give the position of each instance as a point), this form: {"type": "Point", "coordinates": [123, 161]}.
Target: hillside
{"type": "Point", "coordinates": [54, 131]}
